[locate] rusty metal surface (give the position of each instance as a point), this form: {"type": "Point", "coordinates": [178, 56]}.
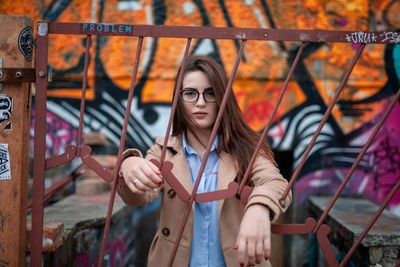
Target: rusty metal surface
{"type": "Point", "coordinates": [323, 121]}
{"type": "Point", "coordinates": [264, 133]}
{"type": "Point", "coordinates": [324, 244]}
{"type": "Point", "coordinates": [371, 222]}
{"type": "Point", "coordinates": [120, 150]}
{"type": "Point", "coordinates": [17, 75]}
{"type": "Point", "coordinates": [205, 32]}
{"type": "Point", "coordinates": [174, 104]}
{"type": "Point", "coordinates": [359, 157]}
{"type": "Point", "coordinates": [39, 147]}
{"type": "Point", "coordinates": [58, 186]}
{"type": "Point", "coordinates": [233, 189]}
{"type": "Point", "coordinates": [83, 93]}
{"type": "Point", "coordinates": [305, 228]}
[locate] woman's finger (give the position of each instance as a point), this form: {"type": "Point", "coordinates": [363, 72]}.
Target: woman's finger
{"type": "Point", "coordinates": [259, 250]}
{"type": "Point", "coordinates": [241, 248]}
{"type": "Point", "coordinates": [142, 182]}
{"type": "Point", "coordinates": [153, 174]}
{"type": "Point", "coordinates": [267, 247]}
{"type": "Point", "coordinates": [251, 251]}
{"type": "Point", "coordinates": [132, 187]}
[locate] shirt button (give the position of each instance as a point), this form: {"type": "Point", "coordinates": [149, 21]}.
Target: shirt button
{"type": "Point", "coordinates": [165, 232]}
{"type": "Point", "coordinates": [171, 193]}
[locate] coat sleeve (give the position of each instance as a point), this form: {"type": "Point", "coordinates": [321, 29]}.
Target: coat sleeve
{"type": "Point", "coordinates": [126, 194]}
{"type": "Point", "coordinates": [269, 186]}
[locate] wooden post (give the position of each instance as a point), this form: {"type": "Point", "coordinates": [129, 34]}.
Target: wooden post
{"type": "Point", "coordinates": [16, 44]}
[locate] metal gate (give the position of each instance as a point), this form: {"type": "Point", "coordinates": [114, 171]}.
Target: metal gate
{"type": "Point", "coordinates": [41, 164]}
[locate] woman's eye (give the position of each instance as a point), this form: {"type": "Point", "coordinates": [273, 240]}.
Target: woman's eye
{"type": "Point", "coordinates": [189, 93]}
{"type": "Point", "coordinates": [210, 93]}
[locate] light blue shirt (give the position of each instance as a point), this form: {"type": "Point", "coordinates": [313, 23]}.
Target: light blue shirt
{"type": "Point", "coordinates": [206, 247]}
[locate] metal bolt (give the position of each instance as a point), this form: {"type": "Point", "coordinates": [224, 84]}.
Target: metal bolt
{"type": "Point", "coordinates": [41, 74]}
{"type": "Point", "coordinates": [265, 34]}
{"type": "Point", "coordinates": [18, 74]}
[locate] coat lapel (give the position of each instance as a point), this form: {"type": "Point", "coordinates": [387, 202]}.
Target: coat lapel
{"type": "Point", "coordinates": [226, 174]}
{"type": "Point", "coordinates": [180, 166]}
{"type": "Point", "coordinates": [181, 171]}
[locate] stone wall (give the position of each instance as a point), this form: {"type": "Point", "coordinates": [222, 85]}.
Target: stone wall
{"type": "Point", "coordinates": [80, 226]}
{"type": "Point", "coordinates": [348, 219]}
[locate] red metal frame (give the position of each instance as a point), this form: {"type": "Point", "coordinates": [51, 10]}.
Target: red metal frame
{"type": "Point", "coordinates": [234, 189]}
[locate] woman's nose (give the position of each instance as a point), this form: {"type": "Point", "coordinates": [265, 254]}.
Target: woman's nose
{"type": "Point", "coordinates": [200, 100]}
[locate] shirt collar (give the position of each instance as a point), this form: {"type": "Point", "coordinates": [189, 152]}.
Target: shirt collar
{"type": "Point", "coordinates": [189, 150]}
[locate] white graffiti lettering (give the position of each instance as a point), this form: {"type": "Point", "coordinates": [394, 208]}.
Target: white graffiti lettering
{"type": "Point", "coordinates": [361, 37]}
{"type": "Point", "coordinates": [370, 37]}
{"type": "Point", "coordinates": [393, 37]}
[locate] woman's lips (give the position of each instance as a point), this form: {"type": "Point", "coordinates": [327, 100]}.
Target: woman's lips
{"type": "Point", "coordinates": [200, 114]}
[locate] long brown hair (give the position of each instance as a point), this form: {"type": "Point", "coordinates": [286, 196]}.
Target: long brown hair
{"type": "Point", "coordinates": [235, 136]}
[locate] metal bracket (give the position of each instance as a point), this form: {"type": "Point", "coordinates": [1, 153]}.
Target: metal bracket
{"type": "Point", "coordinates": [17, 75]}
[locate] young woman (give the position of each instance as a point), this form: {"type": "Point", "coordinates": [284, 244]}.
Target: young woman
{"type": "Point", "coordinates": [218, 233]}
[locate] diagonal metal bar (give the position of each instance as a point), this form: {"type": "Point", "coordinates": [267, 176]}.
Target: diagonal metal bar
{"type": "Point", "coordinates": [93, 164]}
{"type": "Point", "coordinates": [207, 153]}
{"type": "Point", "coordinates": [174, 103]}
{"type": "Point", "coordinates": [59, 185]}
{"type": "Point", "coordinates": [120, 150]}
{"type": "Point", "coordinates": [358, 159]}
{"type": "Point", "coordinates": [83, 96]}
{"type": "Point", "coordinates": [321, 125]}
{"type": "Point", "coordinates": [323, 241]}
{"type": "Point", "coordinates": [39, 146]}
{"type": "Point", "coordinates": [230, 191]}
{"type": "Point", "coordinates": [264, 133]}
{"type": "Point", "coordinates": [371, 223]}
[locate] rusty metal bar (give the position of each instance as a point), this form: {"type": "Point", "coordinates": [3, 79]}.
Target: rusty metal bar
{"type": "Point", "coordinates": [17, 75]}
{"type": "Point", "coordinates": [67, 156]}
{"type": "Point", "coordinates": [93, 164]}
{"type": "Point", "coordinates": [323, 121]}
{"type": "Point", "coordinates": [175, 102]}
{"type": "Point", "coordinates": [264, 133]}
{"type": "Point", "coordinates": [39, 146]}
{"type": "Point", "coordinates": [233, 188]}
{"type": "Point", "coordinates": [120, 150]}
{"type": "Point", "coordinates": [83, 94]}
{"type": "Point", "coordinates": [358, 159]}
{"type": "Point", "coordinates": [371, 223]}
{"type": "Point", "coordinates": [50, 192]}
{"type": "Point", "coordinates": [305, 228]}
{"type": "Point", "coordinates": [188, 32]}
{"type": "Point", "coordinates": [320, 36]}
{"type": "Point", "coordinates": [323, 241]}
{"type": "Point", "coordinates": [207, 153]}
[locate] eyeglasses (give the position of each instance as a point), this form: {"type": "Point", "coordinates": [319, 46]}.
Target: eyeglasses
{"type": "Point", "coordinates": [191, 95]}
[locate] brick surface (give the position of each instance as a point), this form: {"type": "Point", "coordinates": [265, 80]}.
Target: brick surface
{"type": "Point", "coordinates": [95, 138]}
{"type": "Point", "coordinates": [53, 234]}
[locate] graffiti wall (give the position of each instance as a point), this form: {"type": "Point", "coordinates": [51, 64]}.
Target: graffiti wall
{"type": "Point", "coordinates": [261, 75]}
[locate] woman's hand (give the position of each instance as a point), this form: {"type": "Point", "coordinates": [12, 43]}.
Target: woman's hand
{"type": "Point", "coordinates": [254, 235]}
{"type": "Point", "coordinates": [140, 174]}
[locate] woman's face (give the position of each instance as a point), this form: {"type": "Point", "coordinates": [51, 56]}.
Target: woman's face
{"type": "Point", "coordinates": [202, 112]}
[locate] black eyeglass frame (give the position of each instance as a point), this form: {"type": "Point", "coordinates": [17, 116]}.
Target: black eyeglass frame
{"type": "Point", "coordinates": [198, 95]}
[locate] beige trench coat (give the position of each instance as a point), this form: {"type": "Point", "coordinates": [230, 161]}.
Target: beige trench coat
{"type": "Point", "coordinates": [269, 186]}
